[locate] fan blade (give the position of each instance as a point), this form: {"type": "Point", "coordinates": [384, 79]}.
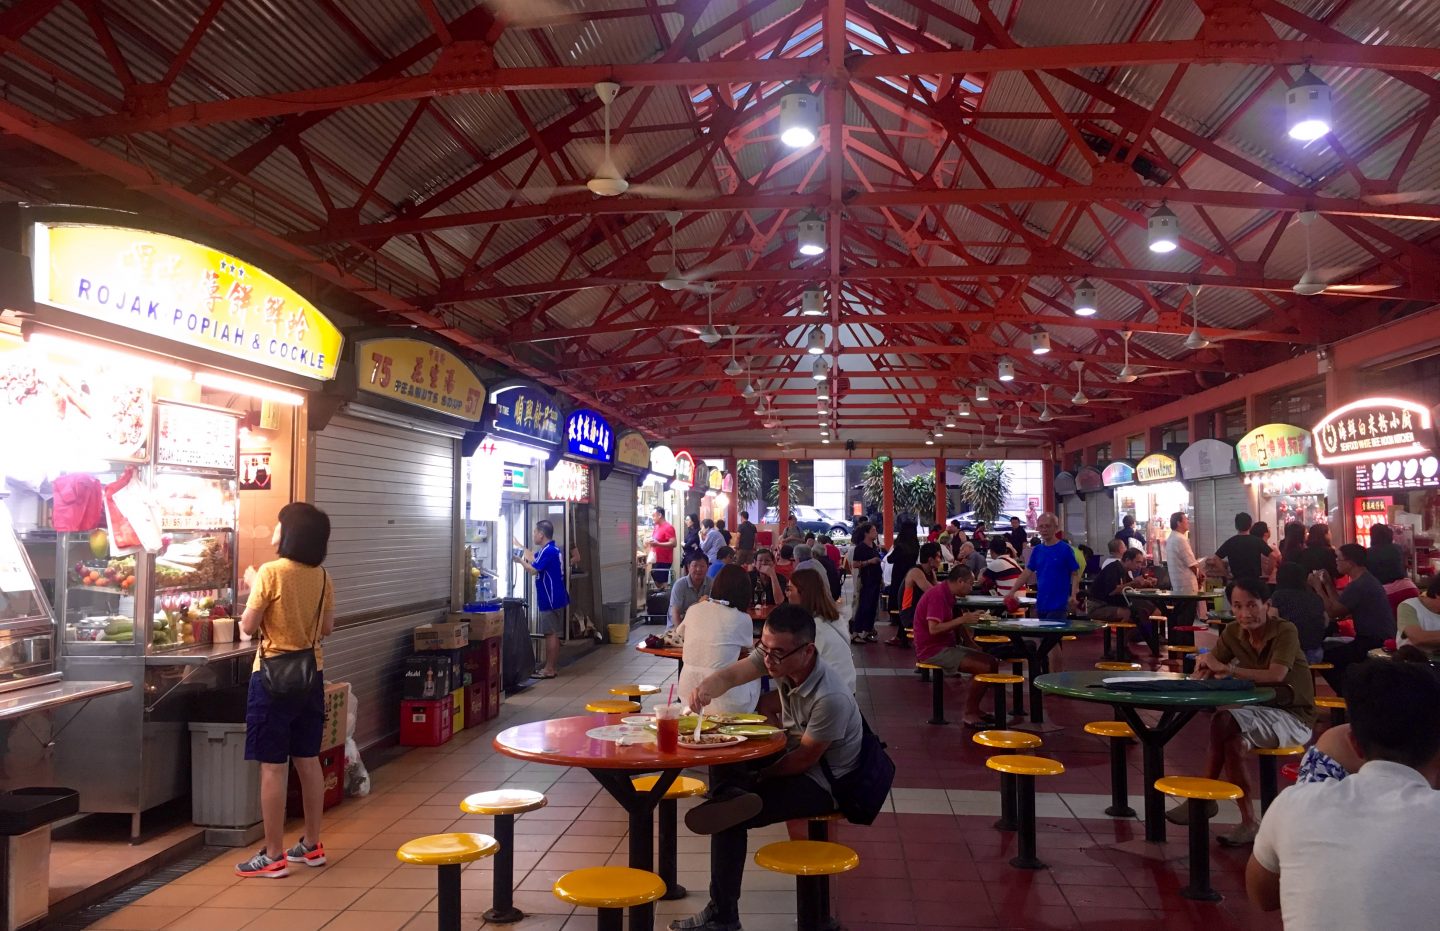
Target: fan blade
{"type": "Point", "coordinates": [1359, 288]}
{"type": "Point", "coordinates": [1400, 197]}
{"type": "Point", "coordinates": [530, 14]}
{"type": "Point", "coordinates": [544, 194]}
{"type": "Point", "coordinates": [1161, 374]}
{"type": "Point", "coordinates": [666, 192]}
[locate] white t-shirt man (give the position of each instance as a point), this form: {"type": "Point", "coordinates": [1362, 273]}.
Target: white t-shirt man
{"type": "Point", "coordinates": [1357, 852]}
{"type": "Point", "coordinates": [1181, 561]}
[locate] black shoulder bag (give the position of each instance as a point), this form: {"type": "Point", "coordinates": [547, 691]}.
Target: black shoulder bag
{"type": "Point", "coordinates": [290, 674]}
{"type": "Point", "coordinates": [861, 793]}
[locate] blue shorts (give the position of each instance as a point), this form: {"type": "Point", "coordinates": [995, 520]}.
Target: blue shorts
{"type": "Point", "coordinates": [277, 730]}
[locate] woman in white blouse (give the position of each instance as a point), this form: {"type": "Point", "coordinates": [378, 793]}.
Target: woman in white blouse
{"type": "Point", "coordinates": [716, 633]}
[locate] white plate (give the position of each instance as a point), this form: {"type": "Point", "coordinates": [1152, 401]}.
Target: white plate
{"type": "Point", "coordinates": [638, 719]}
{"type": "Point", "coordinates": [730, 740]}
{"type": "Point", "coordinates": [1116, 680]}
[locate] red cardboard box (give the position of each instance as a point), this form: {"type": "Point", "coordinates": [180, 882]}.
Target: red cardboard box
{"type": "Point", "coordinates": [477, 703]}
{"type": "Point", "coordinates": [332, 767]}
{"type": "Point", "coordinates": [426, 723]}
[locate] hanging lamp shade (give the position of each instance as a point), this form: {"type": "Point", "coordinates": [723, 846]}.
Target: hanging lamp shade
{"type": "Point", "coordinates": [815, 342]}
{"type": "Point", "coordinates": [1006, 370]}
{"type": "Point", "coordinates": [1085, 305]}
{"type": "Point", "coordinates": [982, 393]}
{"type": "Point", "coordinates": [812, 303]}
{"type": "Point", "coordinates": [1308, 108]}
{"type": "Point", "coordinates": [811, 234]}
{"type": "Point", "coordinates": [1164, 230]}
{"type": "Point", "coordinates": [820, 370]}
{"type": "Point", "coordinates": [799, 118]}
{"type": "Point", "coordinates": [1039, 343]}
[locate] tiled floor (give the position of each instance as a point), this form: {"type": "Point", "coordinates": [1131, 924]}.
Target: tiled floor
{"type": "Point", "coordinates": [933, 860]}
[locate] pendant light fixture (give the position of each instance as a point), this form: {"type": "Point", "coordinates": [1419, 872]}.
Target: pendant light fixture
{"type": "Point", "coordinates": [709, 335]}
{"type": "Point", "coordinates": [1079, 396]}
{"type": "Point", "coordinates": [1195, 340]}
{"type": "Point", "coordinates": [1039, 343]}
{"type": "Point", "coordinates": [815, 343]}
{"type": "Point", "coordinates": [1164, 230]}
{"type": "Point", "coordinates": [1307, 107]}
{"type": "Point", "coordinates": [812, 303]}
{"type": "Point", "coordinates": [938, 432]}
{"type": "Point", "coordinates": [820, 370]}
{"type": "Point", "coordinates": [964, 410]}
{"type": "Point", "coordinates": [1085, 305]}
{"type": "Point", "coordinates": [822, 392]}
{"type": "Point", "coordinates": [1127, 372]}
{"type": "Point", "coordinates": [1045, 415]}
{"type": "Point", "coordinates": [1006, 370]}
{"type": "Point", "coordinates": [799, 117]}
{"type": "Point", "coordinates": [950, 421]}
{"type": "Point", "coordinates": [930, 438]}
{"type": "Point", "coordinates": [982, 392]}
{"type": "Point", "coordinates": [811, 234]}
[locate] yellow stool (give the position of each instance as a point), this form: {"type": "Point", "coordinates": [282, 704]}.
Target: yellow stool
{"type": "Point", "coordinates": [1068, 637]}
{"type": "Point", "coordinates": [812, 863]}
{"type": "Point", "coordinates": [504, 805]}
{"type": "Point", "coordinates": [1117, 630]}
{"type": "Point", "coordinates": [1010, 741]}
{"type": "Point", "coordinates": [682, 787]}
{"type": "Point", "coordinates": [634, 692]}
{"type": "Point", "coordinates": [611, 706]}
{"type": "Point", "coordinates": [1024, 769]}
{"type": "Point", "coordinates": [1270, 771]}
{"type": "Point", "coordinates": [611, 890]}
{"type": "Point", "coordinates": [448, 852]}
{"type": "Point", "coordinates": [1117, 732]}
{"type": "Point", "coordinates": [999, 680]}
{"type": "Point", "coordinates": [991, 638]}
{"type": "Point", "coordinates": [1187, 656]}
{"type": "Point", "coordinates": [1336, 704]}
{"type": "Point", "coordinates": [1197, 792]}
{"type": "Point", "coordinates": [1116, 666]}
{"type": "Point", "coordinates": [1317, 668]}
{"type": "Point", "coordinates": [936, 675]}
{"type": "Point", "coordinates": [1017, 667]}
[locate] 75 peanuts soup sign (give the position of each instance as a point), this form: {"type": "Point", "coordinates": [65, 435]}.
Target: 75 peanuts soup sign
{"type": "Point", "coordinates": [183, 291]}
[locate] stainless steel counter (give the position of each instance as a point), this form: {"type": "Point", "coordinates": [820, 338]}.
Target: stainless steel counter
{"type": "Point", "coordinates": [43, 697]}
{"type": "Point", "coordinates": [202, 654]}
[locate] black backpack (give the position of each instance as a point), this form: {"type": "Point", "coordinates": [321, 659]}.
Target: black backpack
{"type": "Point", "coordinates": [861, 793]}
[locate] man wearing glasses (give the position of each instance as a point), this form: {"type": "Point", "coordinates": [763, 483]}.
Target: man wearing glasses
{"type": "Point", "coordinates": [823, 725]}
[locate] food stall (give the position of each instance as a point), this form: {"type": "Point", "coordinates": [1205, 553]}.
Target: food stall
{"type": "Point", "coordinates": [1391, 445]}
{"type": "Point", "coordinates": [163, 383]}
{"type": "Point", "coordinates": [1276, 461]}
{"type": "Point", "coordinates": [601, 527]}
{"type": "Point", "coordinates": [1070, 508]}
{"type": "Point", "coordinates": [632, 462]}
{"type": "Point", "coordinates": [714, 502]}
{"type": "Point", "coordinates": [1216, 493]}
{"type": "Point", "coordinates": [1149, 491]}
{"type": "Point", "coordinates": [1100, 524]}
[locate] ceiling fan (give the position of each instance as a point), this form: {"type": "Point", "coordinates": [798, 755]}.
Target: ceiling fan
{"type": "Point", "coordinates": [528, 14]}
{"type": "Point", "coordinates": [677, 278]}
{"type": "Point", "coordinates": [1130, 372]}
{"type": "Point", "coordinates": [1313, 280]}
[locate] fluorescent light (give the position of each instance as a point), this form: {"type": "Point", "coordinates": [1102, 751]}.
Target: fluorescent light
{"type": "Point", "coordinates": [1085, 298]}
{"type": "Point", "coordinates": [811, 234]}
{"type": "Point", "coordinates": [799, 118]}
{"type": "Point", "coordinates": [1308, 108]}
{"type": "Point", "coordinates": [100, 354]}
{"type": "Point", "coordinates": [250, 388]}
{"type": "Point", "coordinates": [1164, 230]}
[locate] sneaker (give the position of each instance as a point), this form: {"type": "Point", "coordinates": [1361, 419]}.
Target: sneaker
{"type": "Point", "coordinates": [1180, 814]}
{"type": "Point", "coordinates": [717, 815]}
{"type": "Point", "coordinates": [304, 853]}
{"type": "Point", "coordinates": [1242, 836]}
{"type": "Point", "coordinates": [870, 636]}
{"type": "Point", "coordinates": [706, 920]}
{"type": "Point", "coordinates": [262, 866]}
{"type": "Point", "coordinates": [857, 637]}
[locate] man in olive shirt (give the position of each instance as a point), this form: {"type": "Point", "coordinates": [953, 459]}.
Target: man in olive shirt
{"type": "Point", "coordinates": [1265, 650]}
{"type": "Point", "coordinates": [745, 546]}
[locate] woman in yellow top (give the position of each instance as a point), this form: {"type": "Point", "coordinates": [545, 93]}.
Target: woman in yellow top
{"type": "Point", "coordinates": [291, 607]}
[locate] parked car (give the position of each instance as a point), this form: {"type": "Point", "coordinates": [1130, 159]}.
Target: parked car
{"type": "Point", "coordinates": [968, 522]}
{"type": "Point", "coordinates": [812, 520]}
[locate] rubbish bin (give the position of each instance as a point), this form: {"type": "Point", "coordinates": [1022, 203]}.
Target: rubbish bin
{"type": "Point", "coordinates": [25, 819]}
{"type": "Point", "coordinates": [224, 786]}
{"type": "Point", "coordinates": [617, 621]}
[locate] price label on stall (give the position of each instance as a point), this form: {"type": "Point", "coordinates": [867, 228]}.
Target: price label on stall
{"type": "Point", "coordinates": [196, 438]}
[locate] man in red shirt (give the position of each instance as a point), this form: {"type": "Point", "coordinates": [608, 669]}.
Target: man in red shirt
{"type": "Point", "coordinates": [662, 544]}
{"type": "Point", "coordinates": [941, 638]}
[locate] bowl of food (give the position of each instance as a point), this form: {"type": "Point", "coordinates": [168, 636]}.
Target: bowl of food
{"type": "Point", "coordinates": [708, 741]}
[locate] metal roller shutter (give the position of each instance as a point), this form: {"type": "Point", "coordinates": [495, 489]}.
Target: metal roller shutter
{"type": "Point", "coordinates": [617, 540]}
{"type": "Point", "coordinates": [1100, 523]}
{"type": "Point", "coordinates": [1072, 520]}
{"type": "Point", "coordinates": [1205, 528]}
{"type": "Point", "coordinates": [390, 494]}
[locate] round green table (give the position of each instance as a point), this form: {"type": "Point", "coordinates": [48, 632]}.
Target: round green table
{"type": "Point", "coordinates": [1036, 639]}
{"type": "Point", "coordinates": [1176, 708]}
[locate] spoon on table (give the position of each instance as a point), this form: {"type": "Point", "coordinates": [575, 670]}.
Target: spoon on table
{"type": "Point", "coordinates": [699, 723]}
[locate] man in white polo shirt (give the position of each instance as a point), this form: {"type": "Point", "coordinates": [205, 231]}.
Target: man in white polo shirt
{"type": "Point", "coordinates": [1360, 852]}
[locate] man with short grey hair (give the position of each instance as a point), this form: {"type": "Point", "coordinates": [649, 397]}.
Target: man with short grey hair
{"type": "Point", "coordinates": [805, 559]}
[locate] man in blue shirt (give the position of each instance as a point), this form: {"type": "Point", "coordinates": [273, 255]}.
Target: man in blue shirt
{"type": "Point", "coordinates": [551, 598]}
{"type": "Point", "coordinates": [1054, 571]}
{"type": "Point", "coordinates": [725, 556]}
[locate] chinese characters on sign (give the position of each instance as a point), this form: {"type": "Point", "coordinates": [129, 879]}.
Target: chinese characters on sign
{"type": "Point", "coordinates": [524, 412]}
{"type": "Point", "coordinates": [684, 470]}
{"type": "Point", "coordinates": [570, 481]}
{"type": "Point", "coordinates": [196, 438]}
{"type": "Point", "coordinates": [421, 374]}
{"type": "Point", "coordinates": [1157, 467]}
{"type": "Point", "coordinates": [1372, 430]}
{"type": "Point", "coordinates": [182, 291]}
{"type": "Point", "coordinates": [588, 436]}
{"type": "Point", "coordinates": [632, 450]}
{"type": "Point", "coordinates": [1274, 446]}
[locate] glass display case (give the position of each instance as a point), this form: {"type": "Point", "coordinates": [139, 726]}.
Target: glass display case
{"type": "Point", "coordinates": [27, 633]}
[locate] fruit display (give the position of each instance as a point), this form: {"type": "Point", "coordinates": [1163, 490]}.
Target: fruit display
{"type": "Point", "coordinates": [204, 562]}
{"type": "Point", "coordinates": [185, 621]}
{"type": "Point", "coordinates": [109, 629]}
{"type": "Point", "coordinates": [116, 574]}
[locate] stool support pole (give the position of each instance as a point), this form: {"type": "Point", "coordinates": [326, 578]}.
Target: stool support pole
{"type": "Point", "coordinates": [1002, 717]}
{"type": "Point", "coordinates": [1122, 645]}
{"type": "Point", "coordinates": [1269, 781]}
{"type": "Point", "coordinates": [449, 902]}
{"type": "Point", "coordinates": [1119, 791]}
{"type": "Point", "coordinates": [1007, 803]}
{"type": "Point", "coordinates": [1199, 887]}
{"type": "Point", "coordinates": [817, 830]}
{"type": "Point", "coordinates": [1026, 859]}
{"type": "Point", "coordinates": [669, 848]}
{"type": "Point", "coordinates": [502, 905]}
{"type": "Point", "coordinates": [937, 696]}
{"type": "Point", "coordinates": [1017, 691]}
{"type": "Point", "coordinates": [809, 898]}
{"type": "Point", "coordinates": [1187, 662]}
{"type": "Point", "coordinates": [610, 919]}
{"type": "Point", "coordinates": [1106, 651]}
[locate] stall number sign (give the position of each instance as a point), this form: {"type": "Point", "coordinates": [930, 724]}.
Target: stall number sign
{"type": "Point", "coordinates": [1156, 468]}
{"type": "Point", "coordinates": [1371, 430]}
{"type": "Point", "coordinates": [1118, 473]}
{"type": "Point", "coordinates": [1273, 446]}
{"type": "Point", "coordinates": [526, 413]}
{"type": "Point", "coordinates": [684, 470]}
{"type": "Point", "coordinates": [588, 436]}
{"type": "Point", "coordinates": [1398, 474]}
{"type": "Point", "coordinates": [183, 291]}
{"type": "Point", "coordinates": [420, 374]}
{"type": "Point", "coordinates": [196, 438]}
{"type": "Point", "coordinates": [570, 481]}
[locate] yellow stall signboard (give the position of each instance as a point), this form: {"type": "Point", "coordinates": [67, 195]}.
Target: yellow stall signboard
{"type": "Point", "coordinates": [412, 371]}
{"type": "Point", "coordinates": [184, 291]}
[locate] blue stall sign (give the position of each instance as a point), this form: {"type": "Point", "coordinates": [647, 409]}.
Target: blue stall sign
{"type": "Point", "coordinates": [588, 436]}
{"type": "Point", "coordinates": [524, 412]}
